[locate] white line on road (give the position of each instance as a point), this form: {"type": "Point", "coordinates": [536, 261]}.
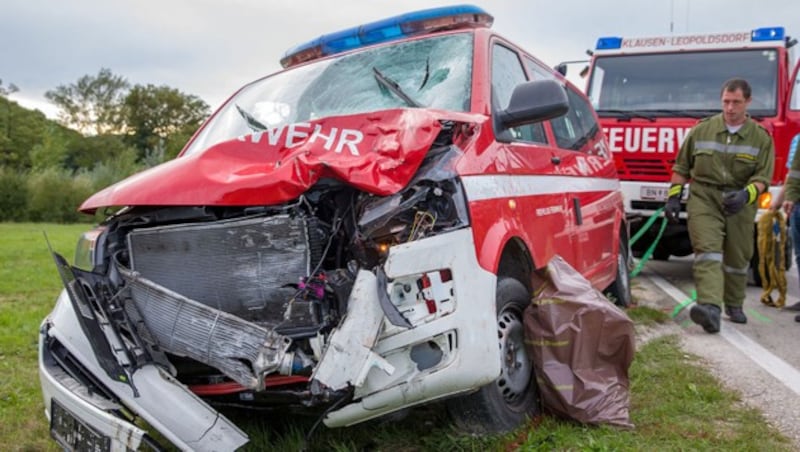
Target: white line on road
{"type": "Point", "coordinates": [775, 366]}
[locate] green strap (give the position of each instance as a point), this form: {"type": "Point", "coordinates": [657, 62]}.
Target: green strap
{"type": "Point", "coordinates": [684, 303]}
{"type": "Point", "coordinates": [647, 225]}
{"type": "Point", "coordinates": [649, 252]}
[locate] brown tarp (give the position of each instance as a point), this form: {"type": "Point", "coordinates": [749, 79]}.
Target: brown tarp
{"type": "Point", "coordinates": [582, 346]}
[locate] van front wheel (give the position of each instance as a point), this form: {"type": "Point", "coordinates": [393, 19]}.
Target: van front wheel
{"type": "Point", "coordinates": [507, 402]}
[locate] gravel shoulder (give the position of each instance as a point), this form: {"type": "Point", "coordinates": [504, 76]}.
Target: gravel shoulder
{"type": "Point", "coordinates": [735, 370]}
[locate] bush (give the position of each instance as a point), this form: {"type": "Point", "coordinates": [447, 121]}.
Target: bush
{"type": "Point", "coordinates": [13, 195]}
{"type": "Point", "coordinates": [54, 195]}
{"type": "Point", "coordinates": [112, 171]}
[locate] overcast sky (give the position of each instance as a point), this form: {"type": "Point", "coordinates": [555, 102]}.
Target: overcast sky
{"type": "Point", "coordinates": [210, 48]}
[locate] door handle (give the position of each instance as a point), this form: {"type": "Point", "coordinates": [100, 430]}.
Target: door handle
{"type": "Point", "coordinates": [555, 160]}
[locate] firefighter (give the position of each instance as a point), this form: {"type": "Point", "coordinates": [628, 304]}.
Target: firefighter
{"type": "Point", "coordinates": [729, 158]}
{"type": "Point", "coordinates": [790, 198]}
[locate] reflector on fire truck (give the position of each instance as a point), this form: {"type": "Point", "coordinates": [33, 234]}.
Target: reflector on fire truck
{"type": "Point", "coordinates": [715, 40]}
{"type": "Point", "coordinates": [391, 29]}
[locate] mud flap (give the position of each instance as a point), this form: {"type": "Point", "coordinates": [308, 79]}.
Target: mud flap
{"type": "Point", "coordinates": [349, 356]}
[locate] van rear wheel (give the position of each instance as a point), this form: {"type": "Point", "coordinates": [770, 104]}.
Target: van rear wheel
{"type": "Point", "coordinates": [507, 402]}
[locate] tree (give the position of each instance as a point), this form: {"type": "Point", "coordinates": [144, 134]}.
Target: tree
{"type": "Point", "coordinates": [156, 115]}
{"type": "Point", "coordinates": [91, 105]}
{"type": "Point", "coordinates": [7, 90]}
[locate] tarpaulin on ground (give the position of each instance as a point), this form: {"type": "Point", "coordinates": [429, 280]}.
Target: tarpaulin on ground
{"type": "Point", "coordinates": [582, 346]}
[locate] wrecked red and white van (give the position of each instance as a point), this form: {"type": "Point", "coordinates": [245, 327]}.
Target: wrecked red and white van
{"type": "Point", "coordinates": [351, 236]}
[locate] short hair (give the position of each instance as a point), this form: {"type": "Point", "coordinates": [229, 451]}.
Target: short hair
{"type": "Point", "coordinates": [733, 84]}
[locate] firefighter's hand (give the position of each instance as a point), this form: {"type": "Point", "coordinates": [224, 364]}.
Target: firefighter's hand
{"type": "Point", "coordinates": [672, 208]}
{"type": "Point", "coordinates": [734, 201]}
{"type": "Point", "coordinates": [787, 207]}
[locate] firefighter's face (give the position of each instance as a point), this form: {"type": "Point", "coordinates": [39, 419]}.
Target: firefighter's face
{"type": "Point", "coordinates": [734, 106]}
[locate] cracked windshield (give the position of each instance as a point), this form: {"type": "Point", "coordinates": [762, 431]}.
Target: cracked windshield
{"type": "Point", "coordinates": [431, 73]}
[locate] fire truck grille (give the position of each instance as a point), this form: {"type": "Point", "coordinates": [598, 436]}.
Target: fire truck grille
{"type": "Point", "coordinates": [646, 170]}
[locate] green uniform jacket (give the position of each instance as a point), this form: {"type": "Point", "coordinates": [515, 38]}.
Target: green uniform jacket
{"type": "Point", "coordinates": [711, 155]}
{"type": "Point", "coordinates": [793, 182]}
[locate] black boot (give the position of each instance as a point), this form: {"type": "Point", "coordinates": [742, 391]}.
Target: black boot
{"type": "Point", "coordinates": [736, 314]}
{"type": "Point", "coordinates": [706, 315]}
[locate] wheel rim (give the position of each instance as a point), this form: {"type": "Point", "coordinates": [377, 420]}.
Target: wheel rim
{"type": "Point", "coordinates": [516, 368]}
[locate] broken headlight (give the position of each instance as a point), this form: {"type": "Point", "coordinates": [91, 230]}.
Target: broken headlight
{"type": "Point", "coordinates": [89, 249]}
{"type": "Point", "coordinates": [433, 202]}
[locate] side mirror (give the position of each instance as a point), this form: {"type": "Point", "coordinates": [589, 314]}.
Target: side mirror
{"type": "Point", "coordinates": [561, 68]}
{"type": "Point", "coordinates": [534, 102]}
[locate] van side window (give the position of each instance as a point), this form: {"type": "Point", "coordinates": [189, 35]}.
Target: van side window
{"type": "Point", "coordinates": [578, 126]}
{"type": "Point", "coordinates": [537, 71]}
{"type": "Point", "coordinates": [507, 73]}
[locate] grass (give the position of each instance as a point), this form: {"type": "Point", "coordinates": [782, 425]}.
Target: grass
{"type": "Point", "coordinates": [29, 283]}
{"type": "Point", "coordinates": [675, 403]}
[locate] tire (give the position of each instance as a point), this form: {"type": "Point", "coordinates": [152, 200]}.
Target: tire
{"type": "Point", "coordinates": [620, 290]}
{"type": "Point", "coordinates": [513, 397]}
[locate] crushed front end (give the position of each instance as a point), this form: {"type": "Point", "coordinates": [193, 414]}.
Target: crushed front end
{"type": "Point", "coordinates": [339, 300]}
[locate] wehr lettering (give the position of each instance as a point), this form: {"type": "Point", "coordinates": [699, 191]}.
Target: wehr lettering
{"type": "Point", "coordinates": [293, 135]}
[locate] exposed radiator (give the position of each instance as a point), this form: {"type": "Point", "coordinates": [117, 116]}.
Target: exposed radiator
{"type": "Point", "coordinates": [248, 267]}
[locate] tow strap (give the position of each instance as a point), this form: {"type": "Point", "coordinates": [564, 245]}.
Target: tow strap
{"type": "Point", "coordinates": [771, 257]}
{"type": "Point", "coordinates": [646, 256]}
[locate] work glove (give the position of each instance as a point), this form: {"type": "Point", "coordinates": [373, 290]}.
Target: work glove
{"type": "Point", "coordinates": [734, 201]}
{"type": "Point", "coordinates": [673, 206]}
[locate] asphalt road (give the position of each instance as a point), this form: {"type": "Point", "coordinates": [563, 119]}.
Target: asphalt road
{"type": "Point", "coordinates": [760, 360]}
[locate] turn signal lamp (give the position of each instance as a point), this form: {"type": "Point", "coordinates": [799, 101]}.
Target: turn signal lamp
{"type": "Point", "coordinates": [391, 29]}
{"type": "Point", "coordinates": [765, 200]}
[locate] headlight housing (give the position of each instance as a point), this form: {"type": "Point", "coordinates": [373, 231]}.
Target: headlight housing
{"type": "Point", "coordinates": [88, 252]}
{"type": "Point", "coordinates": [433, 202]}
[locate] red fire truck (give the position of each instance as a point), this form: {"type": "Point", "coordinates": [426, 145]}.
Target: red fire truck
{"type": "Point", "coordinates": [650, 91]}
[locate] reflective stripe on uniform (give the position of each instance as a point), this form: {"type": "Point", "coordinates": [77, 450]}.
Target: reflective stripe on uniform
{"type": "Point", "coordinates": [734, 271]}
{"type": "Point", "coordinates": [728, 148]}
{"type": "Point", "coordinates": [717, 257]}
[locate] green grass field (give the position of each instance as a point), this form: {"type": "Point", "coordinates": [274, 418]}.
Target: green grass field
{"type": "Point", "coordinates": [676, 404]}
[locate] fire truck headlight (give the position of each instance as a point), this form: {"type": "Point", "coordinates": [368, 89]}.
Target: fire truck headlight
{"type": "Point", "coordinates": [765, 200]}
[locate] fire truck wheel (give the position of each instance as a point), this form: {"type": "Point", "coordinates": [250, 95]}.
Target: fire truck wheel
{"type": "Point", "coordinates": [620, 290]}
{"type": "Point", "coordinates": [513, 397]}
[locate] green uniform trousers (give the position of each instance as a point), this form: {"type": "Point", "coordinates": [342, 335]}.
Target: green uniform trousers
{"type": "Point", "coordinates": [722, 246]}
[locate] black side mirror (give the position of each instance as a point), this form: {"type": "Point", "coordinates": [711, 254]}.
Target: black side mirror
{"type": "Point", "coordinates": [534, 102]}
{"type": "Point", "coordinates": [561, 68]}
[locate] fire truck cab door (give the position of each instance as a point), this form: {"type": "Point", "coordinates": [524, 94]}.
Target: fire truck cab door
{"type": "Point", "coordinates": [793, 106]}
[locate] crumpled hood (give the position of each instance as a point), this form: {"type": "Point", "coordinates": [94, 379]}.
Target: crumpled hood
{"type": "Point", "coordinates": [376, 152]}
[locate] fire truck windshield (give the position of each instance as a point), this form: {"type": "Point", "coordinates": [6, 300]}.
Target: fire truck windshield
{"type": "Point", "coordinates": [681, 84]}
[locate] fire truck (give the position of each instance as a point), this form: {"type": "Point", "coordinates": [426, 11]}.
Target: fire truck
{"type": "Point", "coordinates": [650, 91]}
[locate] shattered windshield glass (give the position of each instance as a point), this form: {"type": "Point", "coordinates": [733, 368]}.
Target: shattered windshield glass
{"type": "Point", "coordinates": [429, 73]}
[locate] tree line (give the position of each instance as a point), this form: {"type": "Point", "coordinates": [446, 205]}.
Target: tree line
{"type": "Point", "coordinates": [107, 129]}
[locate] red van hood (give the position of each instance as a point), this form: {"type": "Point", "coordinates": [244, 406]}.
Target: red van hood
{"type": "Point", "coordinates": [376, 152]}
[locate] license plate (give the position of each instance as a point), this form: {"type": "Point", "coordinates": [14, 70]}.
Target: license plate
{"type": "Point", "coordinates": [72, 433]}
{"type": "Point", "coordinates": [654, 193]}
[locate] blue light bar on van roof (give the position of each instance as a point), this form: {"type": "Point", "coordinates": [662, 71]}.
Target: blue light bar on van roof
{"type": "Point", "coordinates": [390, 29]}
{"type": "Point", "coordinates": [768, 34]}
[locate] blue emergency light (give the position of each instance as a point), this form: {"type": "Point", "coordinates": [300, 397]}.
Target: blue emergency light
{"type": "Point", "coordinates": [390, 29]}
{"type": "Point", "coordinates": [768, 34]}
{"type": "Point", "coordinates": [609, 43]}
